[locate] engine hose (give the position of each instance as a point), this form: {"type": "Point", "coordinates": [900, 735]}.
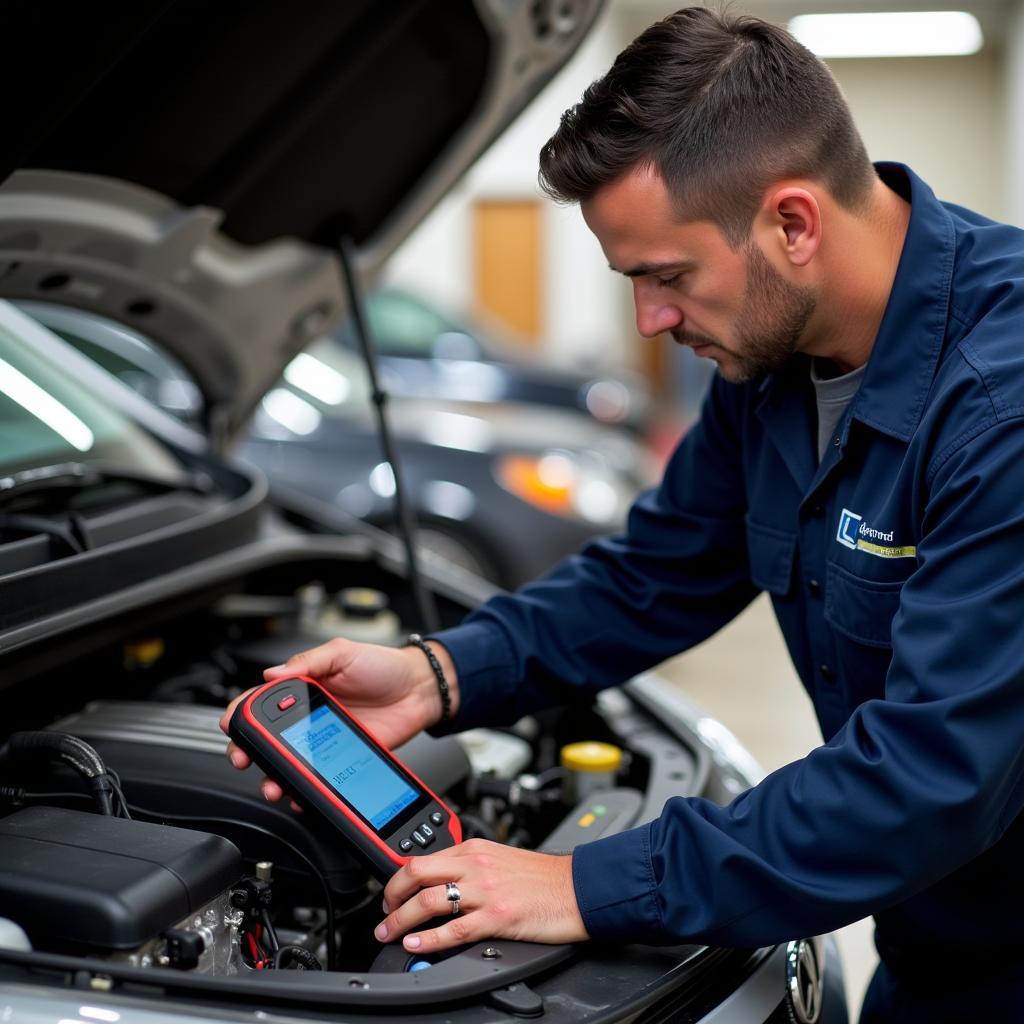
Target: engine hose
{"type": "Point", "coordinates": [74, 752]}
{"type": "Point", "coordinates": [305, 960]}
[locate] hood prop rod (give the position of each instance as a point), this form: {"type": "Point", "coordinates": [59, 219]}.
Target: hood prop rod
{"type": "Point", "coordinates": [404, 518]}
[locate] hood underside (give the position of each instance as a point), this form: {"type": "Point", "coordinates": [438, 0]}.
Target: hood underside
{"type": "Point", "coordinates": [190, 169]}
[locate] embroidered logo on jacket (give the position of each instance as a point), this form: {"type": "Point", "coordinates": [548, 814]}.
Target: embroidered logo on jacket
{"type": "Point", "coordinates": [854, 533]}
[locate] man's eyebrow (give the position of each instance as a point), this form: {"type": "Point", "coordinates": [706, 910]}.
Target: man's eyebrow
{"type": "Point", "coordinates": [651, 269]}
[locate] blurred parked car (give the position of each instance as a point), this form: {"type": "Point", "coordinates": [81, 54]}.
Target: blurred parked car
{"type": "Point", "coordinates": [499, 489]}
{"type": "Point", "coordinates": [426, 350]}
{"type": "Point", "coordinates": [190, 174]}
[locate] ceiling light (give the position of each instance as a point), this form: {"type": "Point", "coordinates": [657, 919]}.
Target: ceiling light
{"type": "Point", "coordinates": [896, 34]}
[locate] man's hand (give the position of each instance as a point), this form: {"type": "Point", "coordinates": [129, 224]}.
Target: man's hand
{"type": "Point", "coordinates": [506, 893]}
{"type": "Point", "coordinates": [392, 691]}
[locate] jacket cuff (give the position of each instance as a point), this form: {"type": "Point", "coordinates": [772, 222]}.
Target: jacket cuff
{"type": "Point", "coordinates": [616, 890]}
{"type": "Point", "coordinates": [485, 666]}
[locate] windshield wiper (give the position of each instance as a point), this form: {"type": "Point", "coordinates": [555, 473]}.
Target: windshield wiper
{"type": "Point", "coordinates": [78, 476]}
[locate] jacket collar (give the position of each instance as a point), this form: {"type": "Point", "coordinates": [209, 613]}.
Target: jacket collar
{"type": "Point", "coordinates": [909, 341]}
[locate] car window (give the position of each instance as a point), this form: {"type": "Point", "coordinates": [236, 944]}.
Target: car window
{"type": "Point", "coordinates": [402, 325]}
{"type": "Point", "coordinates": [47, 416]}
{"type": "Point", "coordinates": [131, 357]}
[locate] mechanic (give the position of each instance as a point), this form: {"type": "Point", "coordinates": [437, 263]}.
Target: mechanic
{"type": "Point", "coordinates": [860, 456]}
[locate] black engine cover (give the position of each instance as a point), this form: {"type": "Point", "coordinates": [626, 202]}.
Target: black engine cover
{"type": "Point", "coordinates": [170, 758]}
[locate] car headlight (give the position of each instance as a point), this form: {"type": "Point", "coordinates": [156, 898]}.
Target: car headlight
{"type": "Point", "coordinates": [566, 484]}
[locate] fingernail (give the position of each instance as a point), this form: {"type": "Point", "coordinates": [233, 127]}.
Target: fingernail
{"type": "Point", "coordinates": [274, 668]}
{"type": "Point", "coordinates": [236, 758]}
{"type": "Point", "coordinates": [385, 907]}
{"type": "Point", "coordinates": [381, 931]}
{"type": "Point", "coordinates": [412, 942]}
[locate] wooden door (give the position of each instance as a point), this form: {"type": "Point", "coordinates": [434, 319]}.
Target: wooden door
{"type": "Point", "coordinates": [507, 248]}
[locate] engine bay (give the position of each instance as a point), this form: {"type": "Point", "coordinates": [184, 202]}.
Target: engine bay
{"type": "Point", "coordinates": [162, 855]}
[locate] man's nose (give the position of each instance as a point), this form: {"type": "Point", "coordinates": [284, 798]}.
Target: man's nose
{"type": "Point", "coordinates": [654, 314]}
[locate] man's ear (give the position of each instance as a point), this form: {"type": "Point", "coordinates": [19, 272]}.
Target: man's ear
{"type": "Point", "coordinates": [793, 216]}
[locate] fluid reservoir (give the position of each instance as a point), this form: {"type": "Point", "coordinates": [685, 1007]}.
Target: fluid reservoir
{"type": "Point", "coordinates": [365, 615]}
{"type": "Point", "coordinates": [589, 766]}
{"type": "Point", "coordinates": [356, 613]}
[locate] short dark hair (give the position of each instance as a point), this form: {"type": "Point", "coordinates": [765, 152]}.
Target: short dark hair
{"type": "Point", "coordinates": [720, 106]}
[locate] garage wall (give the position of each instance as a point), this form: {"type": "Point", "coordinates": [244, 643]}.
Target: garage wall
{"type": "Point", "coordinates": [582, 309]}
{"type": "Point", "coordinates": [942, 116]}
{"type": "Point", "coordinates": [959, 122]}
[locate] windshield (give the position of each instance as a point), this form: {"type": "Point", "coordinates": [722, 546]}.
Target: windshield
{"type": "Point", "coordinates": [47, 416]}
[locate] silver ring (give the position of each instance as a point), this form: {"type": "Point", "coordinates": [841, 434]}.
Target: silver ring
{"type": "Point", "coordinates": [451, 891]}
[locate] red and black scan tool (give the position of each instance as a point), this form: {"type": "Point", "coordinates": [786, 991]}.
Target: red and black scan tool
{"type": "Point", "coordinates": [320, 754]}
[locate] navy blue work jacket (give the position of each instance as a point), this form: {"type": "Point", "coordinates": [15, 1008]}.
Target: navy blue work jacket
{"type": "Point", "coordinates": [896, 570]}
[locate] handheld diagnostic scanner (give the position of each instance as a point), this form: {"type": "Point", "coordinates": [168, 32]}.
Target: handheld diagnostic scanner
{"type": "Point", "coordinates": [307, 741]}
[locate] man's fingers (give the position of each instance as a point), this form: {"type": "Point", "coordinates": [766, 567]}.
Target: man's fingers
{"type": "Point", "coordinates": [230, 709]}
{"type": "Point", "coordinates": [456, 932]}
{"type": "Point", "coordinates": [271, 790]}
{"type": "Point", "coordinates": [424, 906]}
{"type": "Point", "coordinates": [318, 662]}
{"type": "Point", "coordinates": [239, 758]}
{"type": "Point", "coordinates": [419, 873]}
{"type": "Point", "coordinates": [282, 672]}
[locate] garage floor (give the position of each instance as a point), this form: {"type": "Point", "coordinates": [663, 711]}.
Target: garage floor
{"type": "Point", "coordinates": [743, 676]}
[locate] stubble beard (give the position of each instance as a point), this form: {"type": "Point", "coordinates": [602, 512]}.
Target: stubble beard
{"type": "Point", "coordinates": [772, 321]}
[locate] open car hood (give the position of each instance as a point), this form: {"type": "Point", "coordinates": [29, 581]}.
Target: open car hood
{"type": "Point", "coordinates": [190, 169]}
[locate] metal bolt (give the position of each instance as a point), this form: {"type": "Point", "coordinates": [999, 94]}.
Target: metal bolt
{"type": "Point", "coordinates": [101, 983]}
{"type": "Point", "coordinates": [490, 953]}
{"type": "Point", "coordinates": [264, 870]}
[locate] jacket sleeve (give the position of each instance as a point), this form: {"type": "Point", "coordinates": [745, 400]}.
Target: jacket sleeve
{"type": "Point", "coordinates": [910, 789]}
{"type": "Point", "coordinates": [624, 603]}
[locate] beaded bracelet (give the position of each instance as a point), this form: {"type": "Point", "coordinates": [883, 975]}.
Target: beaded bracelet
{"type": "Point", "coordinates": [415, 640]}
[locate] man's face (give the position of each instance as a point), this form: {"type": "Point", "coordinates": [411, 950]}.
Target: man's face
{"type": "Point", "coordinates": [729, 305]}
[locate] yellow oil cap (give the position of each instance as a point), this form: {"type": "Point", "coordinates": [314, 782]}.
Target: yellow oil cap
{"type": "Point", "coordinates": [591, 756]}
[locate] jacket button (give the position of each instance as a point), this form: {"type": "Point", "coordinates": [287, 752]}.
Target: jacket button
{"type": "Point", "coordinates": [814, 587]}
{"type": "Point", "coordinates": [828, 674]}
{"type": "Point", "coordinates": [836, 441]}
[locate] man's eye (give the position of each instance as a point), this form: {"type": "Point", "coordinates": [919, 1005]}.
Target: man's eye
{"type": "Point", "coordinates": [668, 282]}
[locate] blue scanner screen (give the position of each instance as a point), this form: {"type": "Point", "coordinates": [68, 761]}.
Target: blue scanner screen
{"type": "Point", "coordinates": [350, 765]}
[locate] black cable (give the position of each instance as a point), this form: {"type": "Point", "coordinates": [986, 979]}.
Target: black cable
{"type": "Point", "coordinates": [122, 803]}
{"type": "Point", "coordinates": [269, 929]}
{"type": "Point", "coordinates": [314, 870]}
{"type": "Point", "coordinates": [306, 961]}
{"type": "Point", "coordinates": [72, 751]}
{"type": "Point", "coordinates": [425, 604]}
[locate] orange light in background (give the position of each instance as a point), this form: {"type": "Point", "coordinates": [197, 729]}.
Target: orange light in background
{"type": "Point", "coordinates": [547, 482]}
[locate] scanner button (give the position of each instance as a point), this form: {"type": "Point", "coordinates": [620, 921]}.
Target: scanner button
{"type": "Point", "coordinates": [427, 832]}
{"type": "Point", "coordinates": [437, 818]}
{"type": "Point", "coordinates": [419, 839]}
{"type": "Point", "coordinates": [405, 845]}
{"type": "Point", "coordinates": [286, 702]}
